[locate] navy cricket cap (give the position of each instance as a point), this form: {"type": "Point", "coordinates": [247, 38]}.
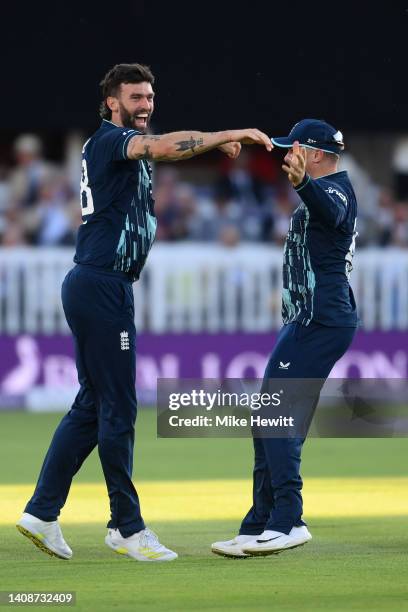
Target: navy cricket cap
{"type": "Point", "coordinates": [315, 134]}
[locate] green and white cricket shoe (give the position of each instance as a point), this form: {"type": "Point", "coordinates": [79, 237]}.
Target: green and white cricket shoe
{"type": "Point", "coordinates": [47, 536]}
{"type": "Point", "coordinates": [232, 548]}
{"type": "Point", "coordinates": [273, 542]}
{"type": "Point", "coordinates": [142, 546]}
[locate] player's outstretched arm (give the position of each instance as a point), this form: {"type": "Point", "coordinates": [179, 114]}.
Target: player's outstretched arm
{"type": "Point", "coordinates": [183, 145]}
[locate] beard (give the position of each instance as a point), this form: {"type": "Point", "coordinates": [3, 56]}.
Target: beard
{"type": "Point", "coordinates": [130, 120]}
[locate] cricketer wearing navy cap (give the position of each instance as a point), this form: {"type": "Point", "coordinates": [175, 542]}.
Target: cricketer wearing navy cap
{"type": "Point", "coordinates": [319, 322]}
{"type": "Point", "coordinates": [314, 134]}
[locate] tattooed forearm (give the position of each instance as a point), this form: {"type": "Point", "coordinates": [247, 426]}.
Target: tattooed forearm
{"type": "Point", "coordinates": [174, 146]}
{"type": "Point", "coordinates": [190, 145]}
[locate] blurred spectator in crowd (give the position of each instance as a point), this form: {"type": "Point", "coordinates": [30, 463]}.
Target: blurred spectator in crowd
{"type": "Point", "coordinates": [214, 215]}
{"type": "Point", "coordinates": [242, 184]}
{"type": "Point", "coordinates": [31, 171]}
{"type": "Point", "coordinates": [368, 197]}
{"type": "Point", "coordinates": [13, 235]}
{"type": "Point", "coordinates": [284, 204]}
{"type": "Point", "coordinates": [48, 221]}
{"type": "Point", "coordinates": [188, 203]}
{"type": "Point", "coordinates": [229, 236]}
{"type": "Point", "coordinates": [400, 229]}
{"type": "Point", "coordinates": [400, 169]}
{"type": "Point", "coordinates": [4, 197]}
{"type": "Point", "coordinates": [174, 205]}
{"type": "Point", "coordinates": [385, 218]}
{"type": "Point", "coordinates": [239, 183]}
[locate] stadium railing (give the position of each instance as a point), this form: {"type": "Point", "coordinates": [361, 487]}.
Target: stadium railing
{"type": "Point", "coordinates": [194, 287]}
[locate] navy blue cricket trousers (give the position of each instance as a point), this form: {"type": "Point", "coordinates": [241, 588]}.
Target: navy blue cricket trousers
{"type": "Point", "coordinates": [99, 308]}
{"type": "Point", "coordinates": [311, 352]}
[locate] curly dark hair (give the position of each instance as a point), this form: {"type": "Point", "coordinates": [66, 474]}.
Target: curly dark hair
{"type": "Point", "coordinates": [122, 73]}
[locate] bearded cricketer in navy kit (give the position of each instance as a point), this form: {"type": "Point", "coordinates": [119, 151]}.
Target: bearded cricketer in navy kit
{"type": "Point", "coordinates": [320, 319]}
{"type": "Point", "coordinates": [114, 240]}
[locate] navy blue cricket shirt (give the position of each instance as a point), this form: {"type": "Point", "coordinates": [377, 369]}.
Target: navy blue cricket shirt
{"type": "Point", "coordinates": [119, 224]}
{"type": "Point", "coordinates": [318, 254]}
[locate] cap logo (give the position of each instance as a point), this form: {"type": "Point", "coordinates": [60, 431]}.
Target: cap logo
{"type": "Point", "coordinates": [338, 137]}
{"type": "Point", "coordinates": [311, 141]}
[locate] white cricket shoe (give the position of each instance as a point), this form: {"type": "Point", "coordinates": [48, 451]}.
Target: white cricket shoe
{"type": "Point", "coordinates": [271, 542]}
{"type": "Point", "coordinates": [46, 535]}
{"type": "Point", "coordinates": [232, 548]}
{"type": "Point", "coordinates": [142, 546]}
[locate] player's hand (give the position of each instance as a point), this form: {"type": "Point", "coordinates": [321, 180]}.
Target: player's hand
{"type": "Point", "coordinates": [296, 166]}
{"type": "Point", "coordinates": [252, 136]}
{"type": "Point", "coordinates": [232, 149]}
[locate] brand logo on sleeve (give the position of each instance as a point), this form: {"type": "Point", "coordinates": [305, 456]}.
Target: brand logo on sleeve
{"type": "Point", "coordinates": [284, 366]}
{"type": "Point", "coordinates": [338, 193]}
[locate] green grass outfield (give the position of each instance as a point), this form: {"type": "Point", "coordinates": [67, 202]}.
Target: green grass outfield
{"type": "Point", "coordinates": [356, 501]}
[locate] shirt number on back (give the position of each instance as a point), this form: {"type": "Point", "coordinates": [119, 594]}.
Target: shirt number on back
{"type": "Point", "coordinates": [86, 193]}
